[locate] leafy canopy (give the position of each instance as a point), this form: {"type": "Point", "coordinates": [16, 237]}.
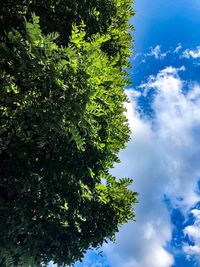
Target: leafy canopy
{"type": "Point", "coordinates": [62, 126]}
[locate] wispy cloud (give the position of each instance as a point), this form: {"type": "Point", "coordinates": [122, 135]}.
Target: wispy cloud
{"type": "Point", "coordinates": [193, 232]}
{"type": "Point", "coordinates": [192, 53]}
{"type": "Point", "coordinates": [156, 52]}
{"type": "Point", "coordinates": [177, 49]}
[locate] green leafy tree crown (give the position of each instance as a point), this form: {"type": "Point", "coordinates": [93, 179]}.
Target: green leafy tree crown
{"type": "Point", "coordinates": [62, 126]}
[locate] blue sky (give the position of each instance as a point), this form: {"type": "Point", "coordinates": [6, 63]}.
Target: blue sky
{"type": "Point", "coordinates": [166, 23]}
{"type": "Point", "coordinates": [163, 156]}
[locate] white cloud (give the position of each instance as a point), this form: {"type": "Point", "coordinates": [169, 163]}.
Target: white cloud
{"type": "Point", "coordinates": [193, 232]}
{"type": "Point", "coordinates": [156, 52]}
{"type": "Point", "coordinates": [177, 49]}
{"type": "Point", "coordinates": [192, 53]}
{"type": "Point", "coordinates": [177, 126]}
{"type": "Point", "coordinates": [195, 93]}
{"type": "Point", "coordinates": [163, 158]}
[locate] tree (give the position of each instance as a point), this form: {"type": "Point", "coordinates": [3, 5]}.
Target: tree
{"type": "Point", "coordinates": [62, 126]}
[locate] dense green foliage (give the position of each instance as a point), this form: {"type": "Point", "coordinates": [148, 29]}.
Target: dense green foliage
{"type": "Point", "coordinates": [62, 126]}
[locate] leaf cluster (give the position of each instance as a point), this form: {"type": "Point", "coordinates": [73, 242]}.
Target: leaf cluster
{"type": "Point", "coordinates": [62, 126]}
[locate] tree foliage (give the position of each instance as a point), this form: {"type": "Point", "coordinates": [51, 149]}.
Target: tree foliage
{"type": "Point", "coordinates": [62, 126]}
